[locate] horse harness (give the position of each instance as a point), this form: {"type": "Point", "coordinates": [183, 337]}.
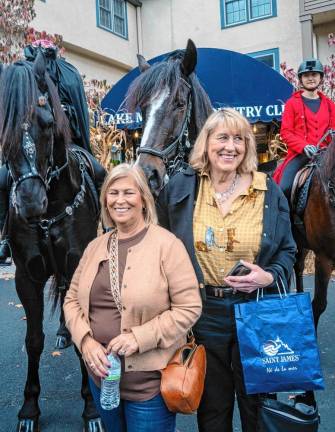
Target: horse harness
{"type": "Point", "coordinates": [29, 152]}
{"type": "Point", "coordinates": [178, 147]}
{"type": "Point", "coordinates": [46, 224]}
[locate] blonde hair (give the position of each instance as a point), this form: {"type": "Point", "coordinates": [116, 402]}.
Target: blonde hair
{"type": "Point", "coordinates": [136, 173]}
{"type": "Point", "coordinates": [235, 123]}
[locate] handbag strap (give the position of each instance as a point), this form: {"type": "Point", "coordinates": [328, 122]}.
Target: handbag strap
{"type": "Point", "coordinates": [190, 337]}
{"type": "Point", "coordinates": [114, 269]}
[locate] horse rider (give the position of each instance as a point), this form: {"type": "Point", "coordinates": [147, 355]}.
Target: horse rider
{"type": "Point", "coordinates": [72, 96]}
{"type": "Point", "coordinates": [307, 117]}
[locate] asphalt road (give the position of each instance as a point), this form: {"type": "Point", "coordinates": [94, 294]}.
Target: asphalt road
{"type": "Point", "coordinates": [60, 400]}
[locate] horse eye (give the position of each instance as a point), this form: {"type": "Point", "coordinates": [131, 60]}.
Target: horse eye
{"type": "Point", "coordinates": [180, 104]}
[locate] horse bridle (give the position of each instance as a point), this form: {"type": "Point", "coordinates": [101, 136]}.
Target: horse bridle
{"type": "Point", "coordinates": [178, 147]}
{"type": "Point", "coordinates": [29, 153]}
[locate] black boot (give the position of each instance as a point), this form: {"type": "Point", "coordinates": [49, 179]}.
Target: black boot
{"type": "Point", "coordinates": [5, 250]}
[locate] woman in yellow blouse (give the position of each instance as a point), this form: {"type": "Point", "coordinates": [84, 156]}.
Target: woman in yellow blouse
{"type": "Point", "coordinates": [226, 211]}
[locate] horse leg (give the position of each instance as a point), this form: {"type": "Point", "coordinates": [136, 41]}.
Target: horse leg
{"type": "Point", "coordinates": [63, 339]}
{"type": "Point", "coordinates": [90, 414]}
{"type": "Point", "coordinates": [299, 268]}
{"type": "Point", "coordinates": [31, 297]}
{"type": "Point", "coordinates": [323, 269]}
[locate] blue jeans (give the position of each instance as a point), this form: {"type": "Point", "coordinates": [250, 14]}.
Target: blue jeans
{"type": "Point", "coordinates": [146, 416]}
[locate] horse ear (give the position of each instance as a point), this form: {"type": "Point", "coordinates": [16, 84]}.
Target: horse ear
{"type": "Point", "coordinates": [143, 65]}
{"type": "Point", "coordinates": [39, 66]}
{"type": "Point", "coordinates": [190, 58]}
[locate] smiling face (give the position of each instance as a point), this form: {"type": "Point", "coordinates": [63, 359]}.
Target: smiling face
{"type": "Point", "coordinates": [310, 80]}
{"type": "Point", "coordinates": [226, 150]}
{"type": "Point", "coordinates": [125, 204]}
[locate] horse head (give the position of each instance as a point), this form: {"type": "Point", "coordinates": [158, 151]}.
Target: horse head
{"type": "Point", "coordinates": [27, 131]}
{"type": "Point", "coordinates": [174, 107]}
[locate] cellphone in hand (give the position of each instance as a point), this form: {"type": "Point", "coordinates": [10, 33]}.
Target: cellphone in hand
{"type": "Point", "coordinates": [239, 269]}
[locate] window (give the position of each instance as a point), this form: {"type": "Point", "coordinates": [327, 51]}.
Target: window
{"type": "Point", "coordinates": [236, 12]}
{"type": "Point", "coordinates": [260, 8]}
{"type": "Point", "coordinates": [112, 16]}
{"type": "Point", "coordinates": [269, 57]}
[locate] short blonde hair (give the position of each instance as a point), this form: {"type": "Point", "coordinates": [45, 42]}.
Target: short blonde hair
{"type": "Point", "coordinates": [237, 124]}
{"type": "Point", "coordinates": [136, 173]}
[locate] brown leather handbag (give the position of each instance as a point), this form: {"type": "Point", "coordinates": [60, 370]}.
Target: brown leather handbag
{"type": "Point", "coordinates": [183, 379]}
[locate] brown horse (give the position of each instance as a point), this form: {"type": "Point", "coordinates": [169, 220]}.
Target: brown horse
{"type": "Point", "coordinates": [319, 223]}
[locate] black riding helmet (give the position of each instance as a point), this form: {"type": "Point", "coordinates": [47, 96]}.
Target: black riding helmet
{"type": "Point", "coordinates": [310, 65]}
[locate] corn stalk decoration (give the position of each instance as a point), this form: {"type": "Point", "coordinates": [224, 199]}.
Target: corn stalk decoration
{"type": "Point", "coordinates": [108, 143]}
{"type": "Point", "coordinates": [277, 148]}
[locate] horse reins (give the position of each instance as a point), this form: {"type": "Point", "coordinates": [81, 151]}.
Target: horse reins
{"type": "Point", "coordinates": [179, 146]}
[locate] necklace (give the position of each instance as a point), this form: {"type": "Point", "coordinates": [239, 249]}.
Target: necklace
{"type": "Point", "coordinates": [223, 196]}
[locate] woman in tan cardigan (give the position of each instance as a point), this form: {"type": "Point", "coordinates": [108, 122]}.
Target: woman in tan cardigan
{"type": "Point", "coordinates": [146, 317]}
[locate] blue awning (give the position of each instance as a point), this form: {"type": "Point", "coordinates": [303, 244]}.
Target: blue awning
{"type": "Point", "coordinates": [229, 78]}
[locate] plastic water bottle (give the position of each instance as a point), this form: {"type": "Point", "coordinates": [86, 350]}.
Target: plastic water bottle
{"type": "Point", "coordinates": [110, 386]}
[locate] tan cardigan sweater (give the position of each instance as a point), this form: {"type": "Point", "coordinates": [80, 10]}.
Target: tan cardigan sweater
{"type": "Point", "coordinates": [160, 296]}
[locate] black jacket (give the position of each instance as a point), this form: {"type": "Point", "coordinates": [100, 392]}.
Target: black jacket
{"type": "Point", "coordinates": [277, 253]}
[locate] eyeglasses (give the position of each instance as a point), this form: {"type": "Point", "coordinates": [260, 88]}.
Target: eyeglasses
{"type": "Point", "coordinates": [224, 138]}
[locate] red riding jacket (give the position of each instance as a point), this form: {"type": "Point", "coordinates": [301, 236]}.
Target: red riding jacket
{"type": "Point", "coordinates": [300, 126]}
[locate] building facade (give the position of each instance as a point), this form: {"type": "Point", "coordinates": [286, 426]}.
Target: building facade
{"type": "Point", "coordinates": [266, 29]}
{"type": "Point", "coordinates": [317, 21]}
{"type": "Point", "coordinates": [102, 37]}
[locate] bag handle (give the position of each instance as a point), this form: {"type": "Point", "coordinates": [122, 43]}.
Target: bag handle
{"type": "Point", "coordinates": [279, 284]}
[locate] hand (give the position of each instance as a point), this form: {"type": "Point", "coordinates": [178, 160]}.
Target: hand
{"type": "Point", "coordinates": [125, 344]}
{"type": "Point", "coordinates": [310, 150]}
{"type": "Point", "coordinates": [95, 356]}
{"type": "Point", "coordinates": [257, 278]}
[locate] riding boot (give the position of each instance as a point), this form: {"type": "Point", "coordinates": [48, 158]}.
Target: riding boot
{"type": "Point", "coordinates": [5, 250]}
{"type": "Point", "coordinates": [99, 173]}
{"type": "Point", "coordinates": [98, 179]}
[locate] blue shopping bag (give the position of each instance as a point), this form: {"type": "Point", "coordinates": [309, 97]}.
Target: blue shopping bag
{"type": "Point", "coordinates": [278, 346]}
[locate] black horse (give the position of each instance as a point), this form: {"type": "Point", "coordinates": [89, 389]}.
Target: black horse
{"type": "Point", "coordinates": [52, 214]}
{"type": "Point", "coordinates": [174, 107]}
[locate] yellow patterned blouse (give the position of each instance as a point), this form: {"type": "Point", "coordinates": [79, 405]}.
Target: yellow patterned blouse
{"type": "Point", "coordinates": [221, 241]}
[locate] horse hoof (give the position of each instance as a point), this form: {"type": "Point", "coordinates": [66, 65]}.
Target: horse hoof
{"type": "Point", "coordinates": [28, 425]}
{"type": "Point", "coordinates": [63, 342]}
{"type": "Point", "coordinates": [94, 425]}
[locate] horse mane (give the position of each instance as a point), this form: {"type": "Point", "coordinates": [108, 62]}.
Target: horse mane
{"type": "Point", "coordinates": [327, 166]}
{"type": "Point", "coordinates": [167, 73]}
{"type": "Point", "coordinates": [19, 97]}
{"type": "Point", "coordinates": [153, 81]}
{"type": "Point", "coordinates": [202, 106]}
{"type": "Point", "coordinates": [62, 127]}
